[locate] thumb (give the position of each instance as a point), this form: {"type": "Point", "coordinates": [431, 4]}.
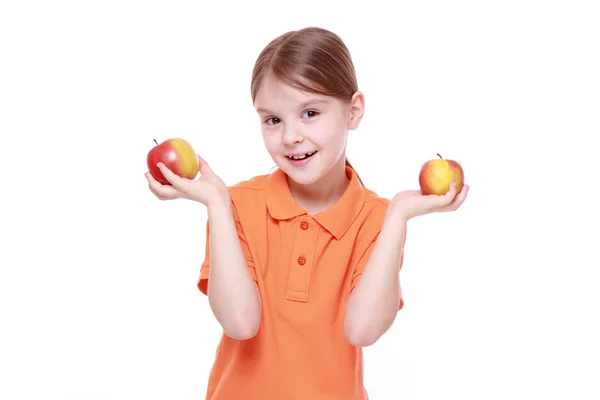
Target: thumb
{"type": "Point", "coordinates": [203, 166]}
{"type": "Point", "coordinates": [449, 196]}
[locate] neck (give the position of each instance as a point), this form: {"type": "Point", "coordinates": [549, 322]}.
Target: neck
{"type": "Point", "coordinates": [324, 193]}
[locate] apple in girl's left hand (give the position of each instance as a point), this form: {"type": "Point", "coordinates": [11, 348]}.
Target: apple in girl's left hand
{"type": "Point", "coordinates": [177, 155]}
{"type": "Point", "coordinates": [437, 174]}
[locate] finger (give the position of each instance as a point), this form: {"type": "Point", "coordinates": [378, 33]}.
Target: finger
{"type": "Point", "coordinates": [203, 166]}
{"type": "Point", "coordinates": [153, 186]}
{"type": "Point", "coordinates": [158, 196]}
{"type": "Point", "coordinates": [174, 179]}
{"type": "Point", "coordinates": [458, 200]}
{"type": "Point", "coordinates": [451, 191]}
{"type": "Point", "coordinates": [155, 193]}
{"type": "Point", "coordinates": [446, 199]}
{"type": "Point", "coordinates": [163, 192]}
{"type": "Point", "coordinates": [462, 196]}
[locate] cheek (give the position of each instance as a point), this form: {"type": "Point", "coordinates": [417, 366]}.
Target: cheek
{"type": "Point", "coordinates": [333, 136]}
{"type": "Point", "coordinates": [271, 142]}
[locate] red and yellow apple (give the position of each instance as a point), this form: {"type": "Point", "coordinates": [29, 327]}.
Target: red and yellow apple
{"type": "Point", "coordinates": [177, 155]}
{"type": "Point", "coordinates": [437, 174]}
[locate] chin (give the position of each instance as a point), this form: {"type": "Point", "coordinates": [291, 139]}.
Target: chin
{"type": "Point", "coordinates": [306, 176]}
{"type": "Point", "coordinates": [303, 179]}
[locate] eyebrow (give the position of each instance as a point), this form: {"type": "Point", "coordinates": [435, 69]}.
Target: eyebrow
{"type": "Point", "coordinates": [301, 106]}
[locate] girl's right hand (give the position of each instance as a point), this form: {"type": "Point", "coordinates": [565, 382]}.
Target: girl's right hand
{"type": "Point", "coordinates": [205, 189]}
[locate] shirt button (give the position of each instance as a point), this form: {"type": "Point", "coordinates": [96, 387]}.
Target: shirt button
{"type": "Point", "coordinates": [301, 260]}
{"type": "Point", "coordinates": [304, 225]}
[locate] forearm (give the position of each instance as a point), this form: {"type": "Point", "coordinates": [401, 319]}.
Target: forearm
{"type": "Point", "coordinates": [373, 304]}
{"type": "Point", "coordinates": [232, 293]}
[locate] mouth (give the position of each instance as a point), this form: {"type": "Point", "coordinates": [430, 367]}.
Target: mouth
{"type": "Point", "coordinates": [302, 157]}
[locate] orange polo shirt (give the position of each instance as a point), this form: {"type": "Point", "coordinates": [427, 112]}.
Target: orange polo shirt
{"type": "Point", "coordinates": [305, 268]}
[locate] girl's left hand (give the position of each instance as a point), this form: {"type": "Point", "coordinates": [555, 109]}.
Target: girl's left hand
{"type": "Point", "coordinates": [412, 203]}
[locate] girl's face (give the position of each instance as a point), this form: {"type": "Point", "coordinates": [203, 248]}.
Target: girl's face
{"type": "Point", "coordinates": [305, 133]}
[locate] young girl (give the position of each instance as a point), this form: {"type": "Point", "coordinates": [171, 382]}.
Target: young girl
{"type": "Point", "coordinates": [302, 265]}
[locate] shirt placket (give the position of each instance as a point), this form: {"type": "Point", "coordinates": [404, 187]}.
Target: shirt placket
{"type": "Point", "coordinates": [302, 261]}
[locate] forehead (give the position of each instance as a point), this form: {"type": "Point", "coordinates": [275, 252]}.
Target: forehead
{"type": "Point", "coordinates": [275, 94]}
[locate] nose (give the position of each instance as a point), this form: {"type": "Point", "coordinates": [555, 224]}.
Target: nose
{"type": "Point", "coordinates": [292, 135]}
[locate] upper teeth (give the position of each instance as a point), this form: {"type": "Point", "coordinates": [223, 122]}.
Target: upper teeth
{"type": "Point", "coordinates": [302, 157]}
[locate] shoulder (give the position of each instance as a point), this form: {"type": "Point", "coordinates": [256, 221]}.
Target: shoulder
{"type": "Point", "coordinates": [248, 194]}
{"type": "Point", "coordinates": [375, 207]}
{"type": "Point", "coordinates": [249, 187]}
{"type": "Point", "coordinates": [371, 217]}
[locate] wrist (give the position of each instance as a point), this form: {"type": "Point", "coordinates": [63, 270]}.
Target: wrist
{"type": "Point", "coordinates": [397, 213]}
{"type": "Point", "coordinates": [219, 201]}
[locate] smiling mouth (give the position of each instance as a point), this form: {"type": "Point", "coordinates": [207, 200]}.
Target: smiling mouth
{"type": "Point", "coordinates": [302, 157]}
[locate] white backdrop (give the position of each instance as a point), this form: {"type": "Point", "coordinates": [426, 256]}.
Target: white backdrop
{"type": "Point", "coordinates": [98, 296]}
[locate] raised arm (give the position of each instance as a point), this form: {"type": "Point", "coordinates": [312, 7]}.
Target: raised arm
{"type": "Point", "coordinates": [373, 304]}
{"type": "Point", "coordinates": [233, 295]}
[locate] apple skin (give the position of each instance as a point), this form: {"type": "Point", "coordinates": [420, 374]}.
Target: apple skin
{"type": "Point", "coordinates": [177, 155]}
{"type": "Point", "coordinates": [437, 174]}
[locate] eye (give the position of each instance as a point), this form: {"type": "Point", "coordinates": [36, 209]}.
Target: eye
{"type": "Point", "coordinates": [272, 121]}
{"type": "Point", "coordinates": [310, 113]}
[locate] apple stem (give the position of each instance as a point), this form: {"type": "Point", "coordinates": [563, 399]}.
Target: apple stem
{"type": "Point", "coordinates": [155, 142]}
{"type": "Point", "coordinates": [438, 154]}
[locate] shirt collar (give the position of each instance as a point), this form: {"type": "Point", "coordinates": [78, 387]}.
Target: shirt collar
{"type": "Point", "coordinates": [336, 219]}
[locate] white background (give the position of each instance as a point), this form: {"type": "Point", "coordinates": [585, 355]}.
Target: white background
{"type": "Point", "coordinates": [98, 296]}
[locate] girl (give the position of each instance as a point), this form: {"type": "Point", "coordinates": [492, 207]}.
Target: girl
{"type": "Point", "coordinates": [302, 265]}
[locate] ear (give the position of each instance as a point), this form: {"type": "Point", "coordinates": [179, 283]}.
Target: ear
{"type": "Point", "coordinates": [357, 109]}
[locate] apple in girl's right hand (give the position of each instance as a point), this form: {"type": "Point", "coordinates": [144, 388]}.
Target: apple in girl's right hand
{"type": "Point", "coordinates": [437, 174]}
{"type": "Point", "coordinates": [177, 155]}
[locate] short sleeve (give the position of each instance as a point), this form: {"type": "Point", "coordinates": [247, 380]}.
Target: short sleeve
{"type": "Point", "coordinates": [205, 268]}
{"type": "Point", "coordinates": [365, 258]}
